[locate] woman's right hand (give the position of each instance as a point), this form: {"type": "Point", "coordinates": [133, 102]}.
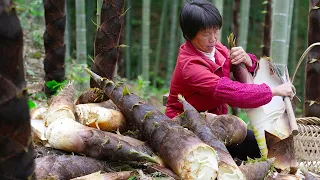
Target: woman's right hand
{"type": "Point", "coordinates": [284, 89]}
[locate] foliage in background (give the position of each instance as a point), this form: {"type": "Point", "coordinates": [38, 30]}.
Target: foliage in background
{"type": "Point", "coordinates": [29, 8]}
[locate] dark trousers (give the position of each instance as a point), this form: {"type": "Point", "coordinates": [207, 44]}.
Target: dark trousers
{"type": "Point", "coordinates": [248, 148]}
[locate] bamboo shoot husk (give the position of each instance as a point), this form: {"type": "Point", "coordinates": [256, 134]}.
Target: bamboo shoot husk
{"type": "Point", "coordinates": [272, 118]}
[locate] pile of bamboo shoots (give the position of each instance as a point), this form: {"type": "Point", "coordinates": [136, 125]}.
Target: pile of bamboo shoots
{"type": "Point", "coordinates": [93, 133]}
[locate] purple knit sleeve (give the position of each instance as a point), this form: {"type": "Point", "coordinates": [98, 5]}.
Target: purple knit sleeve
{"type": "Point", "coordinates": [254, 62]}
{"type": "Point", "coordinates": [242, 95]}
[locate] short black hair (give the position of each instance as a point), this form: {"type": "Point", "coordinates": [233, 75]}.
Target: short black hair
{"type": "Point", "coordinates": [197, 15]}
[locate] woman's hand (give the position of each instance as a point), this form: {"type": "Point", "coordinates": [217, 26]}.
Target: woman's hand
{"type": "Point", "coordinates": [238, 55]}
{"type": "Point", "coordinates": [284, 89]}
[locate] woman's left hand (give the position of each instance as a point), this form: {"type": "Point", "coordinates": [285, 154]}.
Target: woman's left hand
{"type": "Point", "coordinates": [238, 55]}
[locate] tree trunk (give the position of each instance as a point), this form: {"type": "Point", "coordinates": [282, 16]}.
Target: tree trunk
{"type": "Point", "coordinates": [54, 41]}
{"type": "Point", "coordinates": [312, 90]}
{"type": "Point", "coordinates": [145, 39]}
{"type": "Point", "coordinates": [244, 25]}
{"type": "Point", "coordinates": [172, 43]}
{"type": "Point", "coordinates": [128, 39]}
{"type": "Point", "coordinates": [160, 40]}
{"type": "Point", "coordinates": [279, 31]}
{"type": "Point", "coordinates": [267, 29]}
{"type": "Point", "coordinates": [106, 50]}
{"type": "Point", "coordinates": [16, 152]}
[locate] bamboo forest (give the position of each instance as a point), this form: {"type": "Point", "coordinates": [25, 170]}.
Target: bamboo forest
{"type": "Point", "coordinates": [160, 89]}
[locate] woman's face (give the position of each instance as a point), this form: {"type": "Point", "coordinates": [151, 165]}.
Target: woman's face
{"type": "Point", "coordinates": [206, 39]}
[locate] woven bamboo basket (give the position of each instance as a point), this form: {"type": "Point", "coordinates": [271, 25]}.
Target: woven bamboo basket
{"type": "Point", "coordinates": [307, 143]}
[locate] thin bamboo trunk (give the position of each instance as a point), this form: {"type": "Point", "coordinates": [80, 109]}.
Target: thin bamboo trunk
{"type": "Point", "coordinates": [145, 39]}
{"type": "Point", "coordinates": [244, 25]}
{"type": "Point", "coordinates": [182, 39]}
{"type": "Point", "coordinates": [267, 29]}
{"type": "Point", "coordinates": [172, 44]}
{"type": "Point", "coordinates": [291, 2]}
{"type": "Point", "coordinates": [91, 28]}
{"type": "Point", "coordinates": [99, 5]}
{"type": "Point", "coordinates": [279, 31]}
{"type": "Point", "coordinates": [160, 40]}
{"type": "Point", "coordinates": [219, 5]}
{"type": "Point", "coordinates": [81, 31]}
{"type": "Point", "coordinates": [312, 90]}
{"type": "Point", "coordinates": [81, 44]}
{"type": "Point", "coordinates": [235, 24]}
{"type": "Point", "coordinates": [128, 39]}
{"type": "Point", "coordinates": [67, 34]}
{"type": "Point", "coordinates": [16, 152]}
{"type": "Point", "coordinates": [294, 39]}
{"type": "Point", "coordinates": [54, 42]}
{"type": "Point", "coordinates": [106, 50]}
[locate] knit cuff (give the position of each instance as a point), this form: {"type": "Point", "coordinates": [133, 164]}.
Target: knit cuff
{"type": "Point", "coordinates": [254, 63]}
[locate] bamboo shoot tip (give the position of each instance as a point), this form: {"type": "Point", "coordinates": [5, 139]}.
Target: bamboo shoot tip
{"type": "Point", "coordinates": [181, 98]}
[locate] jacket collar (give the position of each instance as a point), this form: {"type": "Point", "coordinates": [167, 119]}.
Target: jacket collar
{"type": "Point", "coordinates": [219, 59]}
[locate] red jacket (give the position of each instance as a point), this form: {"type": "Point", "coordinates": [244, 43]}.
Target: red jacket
{"type": "Point", "coordinates": [206, 85]}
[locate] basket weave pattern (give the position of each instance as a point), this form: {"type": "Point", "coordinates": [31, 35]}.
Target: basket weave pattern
{"type": "Point", "coordinates": [307, 143]}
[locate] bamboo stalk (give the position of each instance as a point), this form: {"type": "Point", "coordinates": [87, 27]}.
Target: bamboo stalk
{"type": "Point", "coordinates": [244, 25]}
{"type": "Point", "coordinates": [160, 40]}
{"type": "Point", "coordinates": [172, 45]}
{"type": "Point", "coordinates": [279, 31]}
{"type": "Point", "coordinates": [81, 44]}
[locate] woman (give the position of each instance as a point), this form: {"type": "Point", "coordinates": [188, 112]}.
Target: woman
{"type": "Point", "coordinates": [202, 73]}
